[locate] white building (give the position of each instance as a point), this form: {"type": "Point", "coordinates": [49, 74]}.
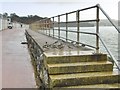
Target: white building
{"type": "Point", "coordinates": [6, 23]}
{"type": "Point", "coordinates": [0, 21]}
{"type": "Point", "coordinates": [9, 23]}
{"type": "Point", "coordinates": [3, 22]}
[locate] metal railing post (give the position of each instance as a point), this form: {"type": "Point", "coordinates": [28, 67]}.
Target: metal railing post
{"type": "Point", "coordinates": [58, 26]}
{"type": "Point", "coordinates": [97, 30]}
{"type": "Point", "coordinates": [110, 20]}
{"type": "Point", "coordinates": [49, 24]}
{"type": "Point", "coordinates": [42, 26]}
{"type": "Point", "coordinates": [46, 26]}
{"type": "Point", "coordinates": [66, 27]}
{"type": "Point", "coordinates": [53, 26]}
{"type": "Point", "coordinates": [78, 25]}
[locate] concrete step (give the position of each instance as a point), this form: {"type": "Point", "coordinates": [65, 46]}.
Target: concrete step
{"type": "Point", "coordinates": [75, 58]}
{"type": "Point", "coordinates": [95, 86]}
{"type": "Point", "coordinates": [79, 67]}
{"type": "Point", "coordinates": [84, 78]}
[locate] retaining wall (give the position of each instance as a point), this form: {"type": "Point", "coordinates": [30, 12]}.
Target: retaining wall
{"type": "Point", "coordinates": [37, 56]}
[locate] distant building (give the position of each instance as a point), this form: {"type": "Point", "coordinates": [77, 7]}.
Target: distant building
{"type": "Point", "coordinates": [3, 22]}
{"type": "Point", "coordinates": [0, 21]}
{"type": "Point", "coordinates": [9, 23]}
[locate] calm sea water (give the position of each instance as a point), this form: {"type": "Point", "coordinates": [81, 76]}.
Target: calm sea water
{"type": "Point", "coordinates": [108, 33]}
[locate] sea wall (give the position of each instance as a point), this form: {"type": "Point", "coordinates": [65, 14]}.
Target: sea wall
{"type": "Point", "coordinates": [37, 58]}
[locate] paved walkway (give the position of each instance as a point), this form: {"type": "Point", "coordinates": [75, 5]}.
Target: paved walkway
{"type": "Point", "coordinates": [17, 70]}
{"type": "Point", "coordinates": [0, 60]}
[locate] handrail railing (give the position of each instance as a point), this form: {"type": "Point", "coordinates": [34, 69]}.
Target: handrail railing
{"type": "Point", "coordinates": [77, 21]}
{"type": "Point", "coordinates": [110, 20]}
{"type": "Point", "coordinates": [112, 57]}
{"type": "Point", "coordinates": [49, 23]}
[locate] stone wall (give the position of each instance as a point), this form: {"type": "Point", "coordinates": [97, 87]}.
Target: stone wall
{"type": "Point", "coordinates": [38, 58]}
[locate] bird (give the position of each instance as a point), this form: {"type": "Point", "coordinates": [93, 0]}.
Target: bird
{"type": "Point", "coordinates": [46, 45]}
{"type": "Point", "coordinates": [83, 45]}
{"type": "Point", "coordinates": [60, 46]}
{"type": "Point", "coordinates": [24, 42]}
{"type": "Point", "coordinates": [55, 42]}
{"type": "Point", "coordinates": [73, 42]}
{"type": "Point", "coordinates": [53, 46]}
{"type": "Point", "coordinates": [69, 47]}
{"type": "Point", "coordinates": [46, 42]}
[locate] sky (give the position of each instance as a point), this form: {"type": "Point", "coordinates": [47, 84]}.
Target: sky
{"type": "Point", "coordinates": [49, 8]}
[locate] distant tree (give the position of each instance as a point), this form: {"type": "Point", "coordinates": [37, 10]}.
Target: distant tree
{"type": "Point", "coordinates": [27, 20]}
{"type": "Point", "coordinates": [5, 14]}
{"type": "Point", "coordinates": [30, 16]}
{"type": "Point", "coordinates": [12, 14]}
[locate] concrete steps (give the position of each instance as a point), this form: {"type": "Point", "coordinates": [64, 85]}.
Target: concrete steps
{"type": "Point", "coordinates": [84, 79]}
{"type": "Point", "coordinates": [114, 85]}
{"type": "Point", "coordinates": [95, 86]}
{"type": "Point", "coordinates": [76, 67]}
{"type": "Point", "coordinates": [75, 58]}
{"type": "Point", "coordinates": [81, 71]}
{"type": "Point", "coordinates": [66, 68]}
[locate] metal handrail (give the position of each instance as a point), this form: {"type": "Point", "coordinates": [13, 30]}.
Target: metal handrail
{"type": "Point", "coordinates": [76, 11]}
{"type": "Point", "coordinates": [77, 22]}
{"type": "Point", "coordinates": [112, 57]}
{"type": "Point", "coordinates": [104, 44]}
{"type": "Point", "coordinates": [110, 20]}
{"type": "Point", "coordinates": [45, 25]}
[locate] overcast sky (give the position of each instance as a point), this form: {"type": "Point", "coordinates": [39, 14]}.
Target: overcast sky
{"type": "Point", "coordinates": [49, 8]}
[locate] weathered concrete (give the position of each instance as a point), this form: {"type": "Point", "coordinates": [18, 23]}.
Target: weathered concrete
{"type": "Point", "coordinates": [75, 58]}
{"type": "Point", "coordinates": [17, 70]}
{"type": "Point", "coordinates": [36, 43]}
{"type": "Point", "coordinates": [0, 60]}
{"type": "Point", "coordinates": [66, 68]}
{"type": "Point", "coordinates": [61, 64]}
{"type": "Point", "coordinates": [91, 87]}
{"type": "Point", "coordinates": [84, 79]}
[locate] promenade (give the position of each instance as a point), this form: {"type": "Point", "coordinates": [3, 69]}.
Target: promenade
{"type": "Point", "coordinates": [17, 70]}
